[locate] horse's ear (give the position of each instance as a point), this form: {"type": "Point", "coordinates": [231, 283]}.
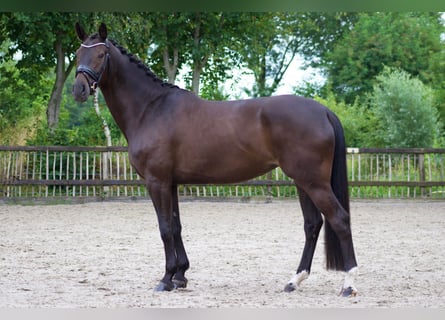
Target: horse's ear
{"type": "Point", "coordinates": [80, 32]}
{"type": "Point", "coordinates": [103, 31]}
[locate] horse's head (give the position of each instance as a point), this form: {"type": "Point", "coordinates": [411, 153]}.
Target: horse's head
{"type": "Point", "coordinates": [92, 62]}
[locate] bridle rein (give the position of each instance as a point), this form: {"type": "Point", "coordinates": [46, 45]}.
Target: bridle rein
{"type": "Point", "coordinates": [89, 72]}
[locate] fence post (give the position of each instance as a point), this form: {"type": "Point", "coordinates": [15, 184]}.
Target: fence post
{"type": "Point", "coordinates": [422, 173]}
{"type": "Point", "coordinates": [269, 176]}
{"type": "Point", "coordinates": [105, 157]}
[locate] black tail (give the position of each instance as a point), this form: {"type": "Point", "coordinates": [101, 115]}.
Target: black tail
{"type": "Point", "coordinates": [339, 183]}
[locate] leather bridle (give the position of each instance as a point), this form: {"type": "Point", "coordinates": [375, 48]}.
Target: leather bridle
{"type": "Point", "coordinates": [89, 73]}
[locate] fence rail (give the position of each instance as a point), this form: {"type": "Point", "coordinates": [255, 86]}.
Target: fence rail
{"type": "Point", "coordinates": [55, 171]}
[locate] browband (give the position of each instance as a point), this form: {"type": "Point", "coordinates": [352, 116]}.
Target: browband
{"type": "Point", "coordinates": [94, 45]}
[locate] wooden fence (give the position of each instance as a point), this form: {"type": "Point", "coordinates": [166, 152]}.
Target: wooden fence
{"type": "Point", "coordinates": [105, 172]}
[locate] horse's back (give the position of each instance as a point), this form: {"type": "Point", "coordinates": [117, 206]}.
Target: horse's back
{"type": "Point", "coordinates": [257, 125]}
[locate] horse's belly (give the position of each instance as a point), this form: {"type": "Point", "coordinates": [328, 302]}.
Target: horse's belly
{"type": "Point", "coordinates": [222, 172]}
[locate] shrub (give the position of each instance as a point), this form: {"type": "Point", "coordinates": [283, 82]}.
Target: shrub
{"type": "Point", "coordinates": [404, 108]}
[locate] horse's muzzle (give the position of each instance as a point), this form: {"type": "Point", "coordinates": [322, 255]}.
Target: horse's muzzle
{"type": "Point", "coordinates": [81, 89]}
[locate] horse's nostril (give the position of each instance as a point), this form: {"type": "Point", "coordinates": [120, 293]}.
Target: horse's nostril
{"type": "Point", "coordinates": [80, 91]}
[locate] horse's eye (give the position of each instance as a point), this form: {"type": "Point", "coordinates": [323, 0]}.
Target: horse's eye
{"type": "Point", "coordinates": [101, 55]}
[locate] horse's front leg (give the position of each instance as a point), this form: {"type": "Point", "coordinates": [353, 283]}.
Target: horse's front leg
{"type": "Point", "coordinates": [179, 279]}
{"type": "Point", "coordinates": [161, 196]}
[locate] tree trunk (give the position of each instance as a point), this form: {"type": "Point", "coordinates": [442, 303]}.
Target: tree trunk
{"type": "Point", "coordinates": [260, 78]}
{"type": "Point", "coordinates": [105, 126]}
{"type": "Point", "coordinates": [171, 68]}
{"type": "Point", "coordinates": [198, 61]}
{"type": "Point", "coordinates": [106, 156]}
{"type": "Point", "coordinates": [195, 79]}
{"type": "Point", "coordinates": [55, 99]}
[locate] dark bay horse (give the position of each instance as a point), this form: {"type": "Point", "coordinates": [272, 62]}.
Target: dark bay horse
{"type": "Point", "coordinates": [175, 137]}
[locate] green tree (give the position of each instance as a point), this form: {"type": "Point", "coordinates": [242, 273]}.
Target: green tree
{"type": "Point", "coordinates": [437, 83]}
{"type": "Point", "coordinates": [167, 43]}
{"type": "Point", "coordinates": [196, 40]}
{"type": "Point", "coordinates": [322, 32]}
{"type": "Point", "coordinates": [404, 108]}
{"type": "Point", "coordinates": [20, 102]}
{"type": "Point", "coordinates": [401, 40]}
{"type": "Point", "coordinates": [267, 43]}
{"type": "Point", "coordinates": [47, 41]}
{"type": "Point", "coordinates": [206, 40]}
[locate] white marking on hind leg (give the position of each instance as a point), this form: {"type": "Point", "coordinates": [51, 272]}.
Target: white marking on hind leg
{"type": "Point", "coordinates": [348, 284]}
{"type": "Point", "coordinates": [297, 279]}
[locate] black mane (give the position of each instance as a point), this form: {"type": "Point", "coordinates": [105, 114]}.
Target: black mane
{"type": "Point", "coordinates": [141, 65]}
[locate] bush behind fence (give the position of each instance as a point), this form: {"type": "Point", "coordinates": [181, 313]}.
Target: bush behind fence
{"type": "Point", "coordinates": [105, 172]}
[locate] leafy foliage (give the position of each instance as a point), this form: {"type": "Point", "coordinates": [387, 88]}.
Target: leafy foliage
{"type": "Point", "coordinates": [21, 103]}
{"type": "Point", "coordinates": [38, 50]}
{"type": "Point", "coordinates": [404, 108]}
{"type": "Point", "coordinates": [400, 40]}
{"type": "Point", "coordinates": [89, 133]}
{"type": "Point", "coordinates": [267, 43]}
{"type": "Point", "coordinates": [79, 126]}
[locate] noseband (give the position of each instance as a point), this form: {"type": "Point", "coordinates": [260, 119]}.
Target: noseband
{"type": "Point", "coordinates": [86, 70]}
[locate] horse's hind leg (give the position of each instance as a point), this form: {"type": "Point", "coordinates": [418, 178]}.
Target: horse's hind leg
{"type": "Point", "coordinates": [341, 257]}
{"type": "Point", "coordinates": [312, 225]}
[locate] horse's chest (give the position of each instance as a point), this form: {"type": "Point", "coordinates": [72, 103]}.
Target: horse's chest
{"type": "Point", "coordinates": [152, 160]}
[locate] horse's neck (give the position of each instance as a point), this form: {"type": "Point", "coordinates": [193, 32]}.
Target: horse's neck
{"type": "Point", "coordinates": [128, 92]}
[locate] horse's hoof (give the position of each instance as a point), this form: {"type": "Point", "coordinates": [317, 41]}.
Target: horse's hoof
{"type": "Point", "coordinates": [162, 286]}
{"type": "Point", "coordinates": [289, 287]}
{"type": "Point", "coordinates": [180, 283]}
{"type": "Point", "coordinates": [348, 292]}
